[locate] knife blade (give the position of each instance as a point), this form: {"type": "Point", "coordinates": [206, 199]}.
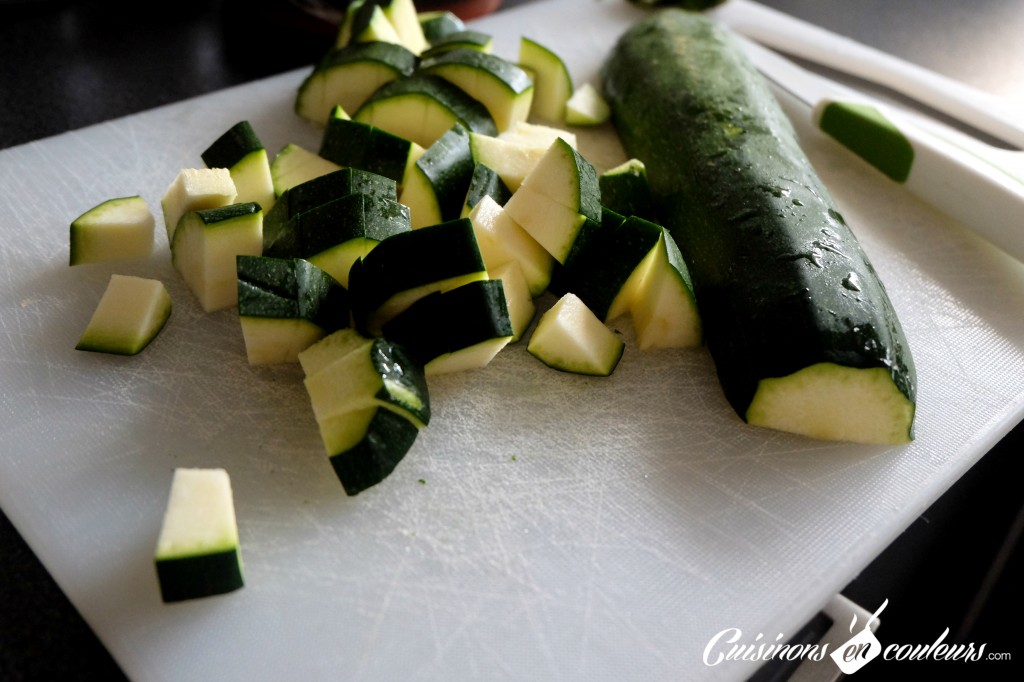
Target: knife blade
{"type": "Point", "coordinates": [801, 39]}
{"type": "Point", "coordinates": [980, 186]}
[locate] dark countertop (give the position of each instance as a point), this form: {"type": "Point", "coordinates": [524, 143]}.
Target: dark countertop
{"type": "Point", "coordinates": [70, 64]}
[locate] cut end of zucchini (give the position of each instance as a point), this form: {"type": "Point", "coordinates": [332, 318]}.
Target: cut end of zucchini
{"type": "Point", "coordinates": [197, 553]}
{"type": "Point", "coordinates": [831, 402]}
{"type": "Point", "coordinates": [570, 338]}
{"type": "Point", "coordinates": [130, 314]}
{"type": "Point", "coordinates": [115, 230]}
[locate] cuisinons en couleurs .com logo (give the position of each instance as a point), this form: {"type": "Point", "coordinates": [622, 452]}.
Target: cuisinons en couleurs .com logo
{"type": "Point", "coordinates": [862, 647]}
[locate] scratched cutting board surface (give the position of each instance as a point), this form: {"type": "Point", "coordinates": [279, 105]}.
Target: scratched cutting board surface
{"type": "Point", "coordinates": [544, 526]}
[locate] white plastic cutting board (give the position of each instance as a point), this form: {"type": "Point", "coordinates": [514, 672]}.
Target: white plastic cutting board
{"type": "Point", "coordinates": [544, 526]}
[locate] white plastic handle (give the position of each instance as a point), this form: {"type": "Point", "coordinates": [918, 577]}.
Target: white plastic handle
{"type": "Point", "coordinates": [958, 175]}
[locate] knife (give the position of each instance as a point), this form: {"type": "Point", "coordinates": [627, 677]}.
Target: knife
{"type": "Point", "coordinates": [977, 184]}
{"type": "Point", "coordinates": [802, 39]}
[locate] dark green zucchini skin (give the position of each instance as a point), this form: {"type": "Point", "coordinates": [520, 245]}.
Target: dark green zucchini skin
{"type": "Point", "coordinates": [780, 279]}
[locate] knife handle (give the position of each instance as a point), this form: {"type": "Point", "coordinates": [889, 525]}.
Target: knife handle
{"type": "Point", "coordinates": [971, 182]}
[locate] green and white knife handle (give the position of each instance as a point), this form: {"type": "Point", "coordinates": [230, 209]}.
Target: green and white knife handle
{"type": "Point", "coordinates": [968, 184]}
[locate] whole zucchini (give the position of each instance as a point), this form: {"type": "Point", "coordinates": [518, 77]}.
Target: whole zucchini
{"type": "Point", "coordinates": [801, 330]}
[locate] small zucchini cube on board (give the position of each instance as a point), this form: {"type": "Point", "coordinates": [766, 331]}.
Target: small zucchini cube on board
{"type": "Point", "coordinates": [485, 182]}
{"type": "Point", "coordinates": [285, 305]}
{"type": "Point", "coordinates": [336, 235]}
{"type": "Point", "coordinates": [114, 230]}
{"type": "Point", "coordinates": [370, 400]}
{"type": "Point", "coordinates": [241, 152]}
{"type": "Point", "coordinates": [205, 248]}
{"type": "Point", "coordinates": [365, 22]}
{"type": "Point", "coordinates": [197, 553]}
{"type": "Point", "coordinates": [347, 76]}
{"type": "Point", "coordinates": [518, 299]}
{"type": "Point", "coordinates": [502, 239]}
{"type": "Point", "coordinates": [436, 185]}
{"type": "Point", "coordinates": [500, 85]}
{"type": "Point", "coordinates": [607, 270]}
{"type": "Point", "coordinates": [130, 314]}
{"type": "Point", "coordinates": [552, 83]}
{"type": "Point", "coordinates": [438, 24]}
{"type": "Point", "coordinates": [513, 153]}
{"type": "Point", "coordinates": [438, 105]}
{"type": "Point", "coordinates": [559, 201]}
{"type": "Point", "coordinates": [465, 39]}
{"type": "Point", "coordinates": [196, 189]}
{"type": "Point", "coordinates": [626, 190]}
{"type": "Point", "coordinates": [664, 309]}
{"type": "Point", "coordinates": [294, 164]}
{"type": "Point", "coordinates": [408, 266]}
{"type": "Point", "coordinates": [455, 330]}
{"type": "Point", "coordinates": [587, 107]}
{"type": "Point", "coordinates": [570, 338]}
{"type": "Point", "coordinates": [326, 212]}
{"type": "Point", "coordinates": [359, 144]}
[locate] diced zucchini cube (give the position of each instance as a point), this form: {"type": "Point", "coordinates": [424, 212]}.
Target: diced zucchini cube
{"type": "Point", "coordinates": [285, 305]}
{"type": "Point", "coordinates": [130, 314]}
{"type": "Point", "coordinates": [115, 230]}
{"type": "Point", "coordinates": [241, 152]}
{"type": "Point", "coordinates": [196, 189]}
{"type": "Point", "coordinates": [206, 246]}
{"type": "Point", "coordinates": [570, 338]}
{"type": "Point", "coordinates": [502, 239]}
{"type": "Point", "coordinates": [197, 553]}
{"type": "Point", "coordinates": [294, 165]}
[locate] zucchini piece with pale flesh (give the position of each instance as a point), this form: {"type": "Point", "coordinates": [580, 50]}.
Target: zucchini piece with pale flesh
{"type": "Point", "coordinates": [370, 401]}
{"type": "Point", "coordinates": [364, 21]}
{"type": "Point", "coordinates": [454, 330]}
{"type": "Point", "coordinates": [587, 107]}
{"type": "Point", "coordinates": [500, 85]}
{"type": "Point", "coordinates": [357, 144]}
{"type": "Point", "coordinates": [115, 230]}
{"type": "Point", "coordinates": [279, 234]}
{"type": "Point", "coordinates": [436, 186]}
{"type": "Point", "coordinates": [197, 553]}
{"type": "Point", "coordinates": [501, 239]}
{"type": "Point", "coordinates": [570, 338]}
{"type": "Point", "coordinates": [206, 246]}
{"type": "Point", "coordinates": [485, 182]}
{"type": "Point", "coordinates": [408, 266]}
{"type": "Point", "coordinates": [626, 190]}
{"type": "Point", "coordinates": [422, 108]}
{"type": "Point", "coordinates": [335, 235]}
{"type": "Point", "coordinates": [375, 372]}
{"type": "Point", "coordinates": [803, 334]}
{"type": "Point", "coordinates": [518, 299]}
{"type": "Point", "coordinates": [242, 153]}
{"type": "Point", "coordinates": [347, 76]}
{"type": "Point", "coordinates": [285, 305]}
{"type": "Point", "coordinates": [438, 24]}
{"type": "Point", "coordinates": [466, 39]}
{"type": "Point", "coordinates": [295, 164]}
{"type": "Point", "coordinates": [130, 314]}
{"type": "Point", "coordinates": [551, 79]}
{"type": "Point", "coordinates": [195, 189]}
{"type": "Point", "coordinates": [559, 201]}
{"type": "Point", "coordinates": [607, 269]}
